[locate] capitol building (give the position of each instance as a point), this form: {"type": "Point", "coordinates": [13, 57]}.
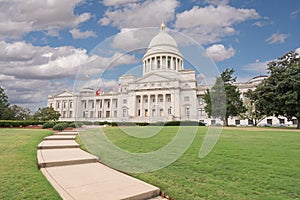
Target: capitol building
{"type": "Point", "coordinates": [166, 91]}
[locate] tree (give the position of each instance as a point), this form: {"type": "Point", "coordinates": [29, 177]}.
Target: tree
{"type": "Point", "coordinates": [223, 99]}
{"type": "Point", "coordinates": [279, 95]}
{"type": "Point", "coordinates": [252, 113]}
{"type": "Point", "coordinates": [46, 114]}
{"type": "Point", "coordinates": [19, 112]}
{"type": "Point", "coordinates": [4, 105]}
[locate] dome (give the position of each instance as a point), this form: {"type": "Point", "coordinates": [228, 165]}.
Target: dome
{"type": "Point", "coordinates": [257, 79]}
{"type": "Point", "coordinates": [163, 42]}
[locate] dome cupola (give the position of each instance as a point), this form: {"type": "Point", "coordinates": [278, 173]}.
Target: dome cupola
{"type": "Point", "coordinates": [162, 54]}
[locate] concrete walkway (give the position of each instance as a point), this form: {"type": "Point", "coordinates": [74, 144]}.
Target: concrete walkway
{"type": "Point", "coordinates": [76, 174]}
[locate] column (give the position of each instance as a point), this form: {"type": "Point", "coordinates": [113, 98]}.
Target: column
{"type": "Point", "coordinates": [160, 62]}
{"type": "Point", "coordinates": [111, 106]}
{"type": "Point", "coordinates": [164, 105]}
{"type": "Point", "coordinates": [150, 65]}
{"type": "Point", "coordinates": [156, 105]}
{"type": "Point", "coordinates": [134, 107]}
{"type": "Point", "coordinates": [148, 105]}
{"type": "Point", "coordinates": [155, 61]}
{"type": "Point", "coordinates": [141, 106]}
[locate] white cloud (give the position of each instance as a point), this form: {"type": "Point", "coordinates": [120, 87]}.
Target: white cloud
{"type": "Point", "coordinates": [216, 2]}
{"type": "Point", "coordinates": [18, 17]}
{"type": "Point", "coordinates": [276, 38]}
{"type": "Point", "coordinates": [130, 39]}
{"type": "Point", "coordinates": [30, 73]}
{"type": "Point", "coordinates": [23, 60]}
{"type": "Point", "coordinates": [117, 2]}
{"type": "Point", "coordinates": [294, 14]}
{"type": "Point", "coordinates": [257, 67]}
{"type": "Point", "coordinates": [77, 34]}
{"type": "Point", "coordinates": [209, 24]}
{"type": "Point", "coordinates": [218, 52]}
{"type": "Point", "coordinates": [297, 51]}
{"type": "Point", "coordinates": [145, 14]}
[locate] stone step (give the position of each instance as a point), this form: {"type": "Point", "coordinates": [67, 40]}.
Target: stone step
{"type": "Point", "coordinates": [62, 157]}
{"type": "Point", "coordinates": [60, 137]}
{"type": "Point", "coordinates": [58, 144]}
{"type": "Point", "coordinates": [97, 181]}
{"type": "Point", "coordinates": [66, 133]}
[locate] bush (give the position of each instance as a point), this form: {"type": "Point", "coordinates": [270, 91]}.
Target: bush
{"type": "Point", "coordinates": [75, 124]}
{"type": "Point", "coordinates": [18, 123]}
{"type": "Point", "coordinates": [60, 126]}
{"type": "Point", "coordinates": [49, 124]}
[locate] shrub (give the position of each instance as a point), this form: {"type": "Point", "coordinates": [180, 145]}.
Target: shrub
{"type": "Point", "coordinates": [60, 126]}
{"type": "Point", "coordinates": [49, 124]}
{"type": "Point", "coordinates": [18, 123]}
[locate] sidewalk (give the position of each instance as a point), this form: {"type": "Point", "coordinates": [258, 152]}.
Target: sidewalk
{"type": "Point", "coordinates": [76, 174]}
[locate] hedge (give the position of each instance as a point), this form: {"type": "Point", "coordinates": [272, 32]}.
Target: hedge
{"type": "Point", "coordinates": [19, 123]}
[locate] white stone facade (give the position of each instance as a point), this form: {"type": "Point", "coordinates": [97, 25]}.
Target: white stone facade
{"type": "Point", "coordinates": [165, 92]}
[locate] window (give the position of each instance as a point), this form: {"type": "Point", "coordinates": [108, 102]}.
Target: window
{"type": "Point", "coordinates": [201, 112]}
{"type": "Point", "coordinates": [250, 121]}
{"type": "Point", "coordinates": [200, 100]}
{"type": "Point", "coordinates": [84, 104]}
{"type": "Point", "coordinates": [213, 122]}
{"type": "Point", "coordinates": [153, 113]}
{"type": "Point", "coordinates": [116, 104]}
{"type": "Point", "coordinates": [93, 104]}
{"type": "Point", "coordinates": [58, 105]}
{"type": "Point", "coordinates": [269, 121]}
{"type": "Point", "coordinates": [139, 112]}
{"type": "Point", "coordinates": [70, 114]}
{"type": "Point", "coordinates": [125, 114]}
{"type": "Point", "coordinates": [295, 121]}
{"type": "Point", "coordinates": [169, 63]}
{"type": "Point", "coordinates": [153, 100]}
{"type": "Point", "coordinates": [281, 121]}
{"type": "Point", "coordinates": [169, 99]}
{"type": "Point", "coordinates": [64, 114]}
{"type": "Point", "coordinates": [146, 100]}
{"type": "Point", "coordinates": [91, 114]}
{"type": "Point", "coordinates": [107, 114]}
{"type": "Point", "coordinates": [161, 100]}
{"type": "Point", "coordinates": [51, 105]}
{"type": "Point", "coordinates": [139, 100]}
{"type": "Point", "coordinates": [161, 112]}
{"type": "Point", "coordinates": [100, 103]}
{"type": "Point", "coordinates": [99, 114]}
{"type": "Point", "coordinates": [237, 122]}
{"type": "Point", "coordinates": [108, 104]}
{"type": "Point", "coordinates": [187, 98]}
{"type": "Point", "coordinates": [158, 63]}
{"type": "Point", "coordinates": [115, 113]}
{"type": "Point", "coordinates": [65, 104]}
{"type": "Point", "coordinates": [170, 111]}
{"type": "Point", "coordinates": [146, 112]}
{"type": "Point", "coordinates": [124, 101]}
{"type": "Point", "coordinates": [71, 104]}
{"type": "Point", "coordinates": [187, 112]}
{"type": "Point", "coordinates": [83, 114]}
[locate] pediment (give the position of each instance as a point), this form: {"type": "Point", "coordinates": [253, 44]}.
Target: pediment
{"type": "Point", "coordinates": [154, 78]}
{"type": "Point", "coordinates": [64, 94]}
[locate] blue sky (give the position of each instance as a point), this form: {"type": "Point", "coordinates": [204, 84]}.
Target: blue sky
{"type": "Point", "coordinates": [44, 42]}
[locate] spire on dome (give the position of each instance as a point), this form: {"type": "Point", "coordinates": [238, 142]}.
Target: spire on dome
{"type": "Point", "coordinates": [162, 26]}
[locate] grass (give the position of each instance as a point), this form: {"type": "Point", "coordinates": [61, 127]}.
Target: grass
{"type": "Point", "coordinates": [20, 177]}
{"type": "Point", "coordinates": [244, 164]}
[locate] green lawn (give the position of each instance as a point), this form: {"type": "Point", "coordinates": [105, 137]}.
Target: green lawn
{"type": "Point", "coordinates": [244, 164]}
{"type": "Point", "coordinates": [19, 176]}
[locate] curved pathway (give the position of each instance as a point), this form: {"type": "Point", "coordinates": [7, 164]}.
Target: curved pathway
{"type": "Point", "coordinates": [76, 174]}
